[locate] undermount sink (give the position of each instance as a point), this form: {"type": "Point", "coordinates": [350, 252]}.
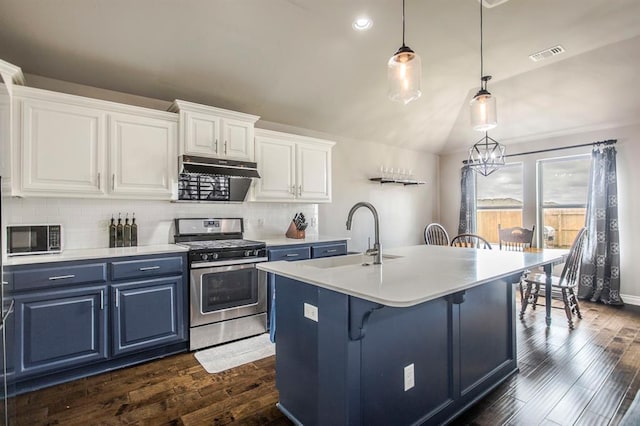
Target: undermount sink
{"type": "Point", "coordinates": [351, 259]}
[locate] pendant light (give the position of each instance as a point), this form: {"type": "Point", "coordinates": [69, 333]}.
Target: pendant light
{"type": "Point", "coordinates": [483, 104]}
{"type": "Point", "coordinates": [404, 71]}
{"type": "Point", "coordinates": [486, 156]}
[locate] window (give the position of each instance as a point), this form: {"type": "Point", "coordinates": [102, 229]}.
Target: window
{"type": "Point", "coordinates": [499, 200]}
{"type": "Point", "coordinates": [562, 199]}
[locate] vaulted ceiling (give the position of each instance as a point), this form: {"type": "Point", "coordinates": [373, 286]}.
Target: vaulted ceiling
{"type": "Point", "coordinates": [299, 62]}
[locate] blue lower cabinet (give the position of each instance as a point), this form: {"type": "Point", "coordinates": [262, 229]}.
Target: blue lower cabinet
{"type": "Point", "coordinates": [146, 314]}
{"type": "Point", "coordinates": [79, 318]}
{"type": "Point", "coordinates": [56, 330]}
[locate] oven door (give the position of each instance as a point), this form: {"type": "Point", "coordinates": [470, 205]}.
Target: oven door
{"type": "Point", "coordinates": [220, 293]}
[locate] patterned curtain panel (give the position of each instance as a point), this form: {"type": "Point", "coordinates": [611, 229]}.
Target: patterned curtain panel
{"type": "Point", "coordinates": [467, 223]}
{"type": "Point", "coordinates": [600, 272]}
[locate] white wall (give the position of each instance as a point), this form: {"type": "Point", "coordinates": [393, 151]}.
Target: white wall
{"type": "Point", "coordinates": [404, 211]}
{"type": "Point", "coordinates": [628, 158]}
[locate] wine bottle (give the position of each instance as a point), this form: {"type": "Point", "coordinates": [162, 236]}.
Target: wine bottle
{"type": "Point", "coordinates": [112, 233]}
{"type": "Point", "coordinates": [134, 231]}
{"type": "Point", "coordinates": [119, 232]}
{"type": "Point", "coordinates": [127, 232]}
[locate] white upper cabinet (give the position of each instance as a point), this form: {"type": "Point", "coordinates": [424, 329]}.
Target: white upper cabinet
{"type": "Point", "coordinates": [71, 146]}
{"type": "Point", "coordinates": [142, 156]}
{"type": "Point", "coordinates": [313, 171]}
{"type": "Point", "coordinates": [62, 148]}
{"type": "Point", "coordinates": [292, 168]}
{"type": "Point", "coordinates": [276, 160]}
{"type": "Point", "coordinates": [214, 132]}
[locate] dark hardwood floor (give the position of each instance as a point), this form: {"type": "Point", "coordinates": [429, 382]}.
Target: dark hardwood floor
{"type": "Point", "coordinates": [585, 376]}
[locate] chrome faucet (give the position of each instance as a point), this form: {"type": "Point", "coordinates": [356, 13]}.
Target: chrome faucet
{"type": "Point", "coordinates": [376, 251]}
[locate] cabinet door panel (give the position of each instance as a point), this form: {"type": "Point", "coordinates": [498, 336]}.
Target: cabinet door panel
{"type": "Point", "coordinates": [313, 172]}
{"type": "Point", "coordinates": [147, 314]}
{"type": "Point", "coordinates": [276, 164]}
{"type": "Point", "coordinates": [60, 330]}
{"type": "Point", "coordinates": [420, 336]}
{"type": "Point", "coordinates": [238, 139]}
{"type": "Point", "coordinates": [143, 156]}
{"type": "Point", "coordinates": [63, 148]}
{"type": "Point", "coordinates": [202, 134]}
{"type": "Point", "coordinates": [484, 348]}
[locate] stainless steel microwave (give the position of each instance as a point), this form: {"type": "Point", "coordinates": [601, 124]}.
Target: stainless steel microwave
{"type": "Point", "coordinates": [33, 239]}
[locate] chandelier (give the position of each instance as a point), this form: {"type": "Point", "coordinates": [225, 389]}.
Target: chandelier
{"type": "Point", "coordinates": [486, 156]}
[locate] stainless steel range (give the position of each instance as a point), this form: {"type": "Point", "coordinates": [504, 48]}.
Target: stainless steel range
{"type": "Point", "coordinates": [228, 293]}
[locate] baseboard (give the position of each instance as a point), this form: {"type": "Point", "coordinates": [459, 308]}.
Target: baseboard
{"type": "Point", "coordinates": [630, 300]}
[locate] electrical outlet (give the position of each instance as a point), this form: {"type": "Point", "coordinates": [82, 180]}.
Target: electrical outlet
{"type": "Point", "coordinates": [311, 312]}
{"type": "Point", "coordinates": [409, 377]}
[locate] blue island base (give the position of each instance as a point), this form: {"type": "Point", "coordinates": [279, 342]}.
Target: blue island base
{"type": "Point", "coordinates": [363, 363]}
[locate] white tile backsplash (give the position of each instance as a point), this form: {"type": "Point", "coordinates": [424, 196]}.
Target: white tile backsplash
{"type": "Point", "coordinates": [85, 221]}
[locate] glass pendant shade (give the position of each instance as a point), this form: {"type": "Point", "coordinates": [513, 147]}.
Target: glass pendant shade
{"type": "Point", "coordinates": [483, 111]}
{"type": "Point", "coordinates": [404, 71]}
{"type": "Point", "coordinates": [486, 156]}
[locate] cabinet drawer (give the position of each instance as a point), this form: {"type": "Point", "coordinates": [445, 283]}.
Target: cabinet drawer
{"type": "Point", "coordinates": [337, 249]}
{"type": "Point", "coordinates": [291, 253]}
{"type": "Point", "coordinates": [146, 268]}
{"type": "Point", "coordinates": [58, 276]}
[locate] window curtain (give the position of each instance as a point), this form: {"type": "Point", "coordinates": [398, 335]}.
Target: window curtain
{"type": "Point", "coordinates": [600, 271]}
{"type": "Point", "coordinates": [467, 223]}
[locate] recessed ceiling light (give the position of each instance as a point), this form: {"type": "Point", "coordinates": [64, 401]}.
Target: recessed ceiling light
{"type": "Point", "coordinates": [362, 23]}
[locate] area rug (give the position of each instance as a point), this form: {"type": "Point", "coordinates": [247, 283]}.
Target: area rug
{"type": "Point", "coordinates": [224, 357]}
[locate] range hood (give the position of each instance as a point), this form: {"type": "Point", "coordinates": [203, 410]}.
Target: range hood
{"type": "Point", "coordinates": [204, 179]}
{"type": "Point", "coordinates": [218, 167]}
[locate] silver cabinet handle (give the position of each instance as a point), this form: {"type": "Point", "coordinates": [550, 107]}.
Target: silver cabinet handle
{"type": "Point", "coordinates": [149, 268]}
{"type": "Point", "coordinates": [113, 181]}
{"type": "Point", "coordinates": [293, 190]}
{"type": "Point", "coordinates": [61, 277]}
{"type": "Point", "coordinates": [292, 255]}
{"type": "Point", "coordinates": [300, 190]}
{"type": "Point", "coordinates": [117, 298]}
{"type": "Point", "coordinates": [332, 251]}
{"type": "Point", "coordinates": [225, 147]}
{"type": "Point", "coordinates": [101, 300]}
{"type": "Point", "coordinates": [215, 149]}
{"type": "Point", "coordinates": [99, 180]}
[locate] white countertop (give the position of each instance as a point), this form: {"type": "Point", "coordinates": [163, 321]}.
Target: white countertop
{"type": "Point", "coordinates": [94, 253]}
{"type": "Point", "coordinates": [276, 240]}
{"type": "Point", "coordinates": [422, 272]}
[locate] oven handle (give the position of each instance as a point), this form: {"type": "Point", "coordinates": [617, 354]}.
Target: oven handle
{"type": "Point", "coordinates": [228, 262]}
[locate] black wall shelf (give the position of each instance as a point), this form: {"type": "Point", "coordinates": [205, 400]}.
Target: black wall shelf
{"type": "Point", "coordinates": [404, 182]}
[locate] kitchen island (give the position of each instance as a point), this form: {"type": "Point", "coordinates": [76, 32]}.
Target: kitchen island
{"type": "Point", "coordinates": [415, 340]}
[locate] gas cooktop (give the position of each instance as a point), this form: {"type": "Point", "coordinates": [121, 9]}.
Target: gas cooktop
{"type": "Point", "coordinates": [222, 244]}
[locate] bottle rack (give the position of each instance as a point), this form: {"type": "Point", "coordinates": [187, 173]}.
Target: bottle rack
{"type": "Point", "coordinates": [404, 182]}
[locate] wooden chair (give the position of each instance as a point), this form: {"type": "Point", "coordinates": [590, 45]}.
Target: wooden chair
{"type": "Point", "coordinates": [470, 240]}
{"type": "Point", "coordinates": [436, 235]}
{"type": "Point", "coordinates": [516, 238]}
{"type": "Point", "coordinates": [566, 283]}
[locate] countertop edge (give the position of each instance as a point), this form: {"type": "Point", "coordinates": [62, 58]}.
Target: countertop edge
{"type": "Point", "coordinates": [93, 253]}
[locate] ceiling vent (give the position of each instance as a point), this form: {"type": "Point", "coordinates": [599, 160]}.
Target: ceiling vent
{"type": "Point", "coordinates": [547, 53]}
{"type": "Point", "coordinates": [492, 3]}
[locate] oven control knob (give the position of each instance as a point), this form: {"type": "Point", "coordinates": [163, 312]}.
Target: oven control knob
{"type": "Point", "coordinates": [214, 256]}
{"type": "Point", "coordinates": [255, 252]}
{"type": "Point", "coordinates": [248, 253]}
{"type": "Point", "coordinates": [204, 256]}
